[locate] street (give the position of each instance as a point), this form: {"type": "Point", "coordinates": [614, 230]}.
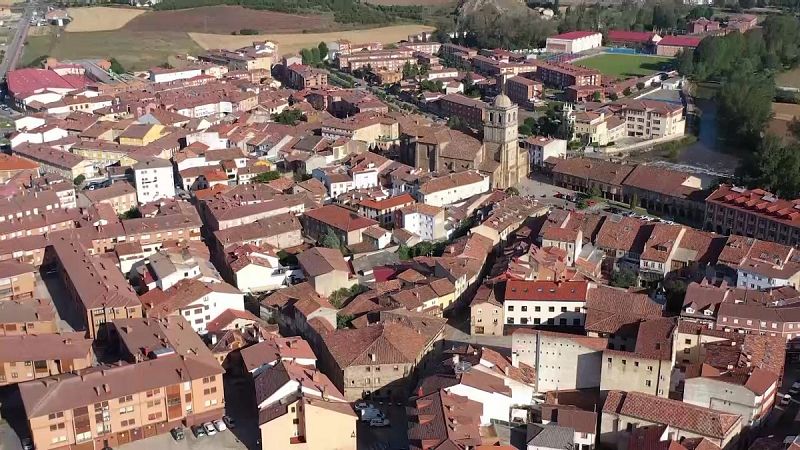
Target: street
{"type": "Point", "coordinates": [15, 47]}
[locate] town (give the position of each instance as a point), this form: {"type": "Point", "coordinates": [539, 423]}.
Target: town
{"type": "Point", "coordinates": [418, 244]}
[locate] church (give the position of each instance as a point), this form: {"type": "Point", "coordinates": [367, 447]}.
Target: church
{"type": "Point", "coordinates": [498, 155]}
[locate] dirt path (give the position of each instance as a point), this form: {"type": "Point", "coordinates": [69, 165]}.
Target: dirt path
{"type": "Point", "coordinates": [293, 42]}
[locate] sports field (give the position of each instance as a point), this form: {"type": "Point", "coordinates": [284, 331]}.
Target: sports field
{"type": "Point", "coordinates": [623, 66]}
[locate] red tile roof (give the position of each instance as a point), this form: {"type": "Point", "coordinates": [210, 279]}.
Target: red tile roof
{"type": "Point", "coordinates": [340, 218]}
{"type": "Point", "coordinates": [680, 41]}
{"type": "Point", "coordinates": [546, 290]}
{"type": "Point", "coordinates": [638, 37]}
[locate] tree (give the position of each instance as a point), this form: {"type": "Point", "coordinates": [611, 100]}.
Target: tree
{"type": "Point", "coordinates": [323, 50]}
{"type": "Point", "coordinates": [685, 64]}
{"type": "Point", "coordinates": [775, 167]}
{"type": "Point", "coordinates": [634, 203]}
{"type": "Point", "coordinates": [116, 67]}
{"type": "Point", "coordinates": [623, 278]}
{"type": "Point", "coordinates": [745, 106]}
{"type": "Point", "coordinates": [305, 54]}
{"type": "Point", "coordinates": [613, 96]}
{"type": "Point", "coordinates": [315, 56]}
{"type": "Point", "coordinates": [640, 85]}
{"type": "Point", "coordinates": [79, 180]}
{"type": "Point", "coordinates": [675, 290]}
{"type": "Point", "coordinates": [597, 96]}
{"type": "Point", "coordinates": [512, 191]}
{"type": "Point", "coordinates": [132, 213]}
{"type": "Point", "coordinates": [596, 192]}
{"type": "Point", "coordinates": [626, 92]}
{"type": "Point", "coordinates": [343, 321]}
{"type": "Point", "coordinates": [331, 240]}
{"type": "Point", "coordinates": [408, 71]}
{"type": "Point", "coordinates": [266, 177]}
{"type": "Point", "coordinates": [288, 116]}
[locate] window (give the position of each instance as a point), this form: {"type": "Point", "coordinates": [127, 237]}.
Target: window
{"type": "Point", "coordinates": [552, 309]}
{"type": "Point", "coordinates": [127, 398]}
{"type": "Point", "coordinates": [511, 307]}
{"type": "Point", "coordinates": [647, 383]}
{"type": "Point", "coordinates": [57, 415]}
{"type": "Point", "coordinates": [537, 308]}
{"type": "Point", "coordinates": [688, 341]}
{"type": "Point", "coordinates": [563, 309]}
{"type": "Point", "coordinates": [524, 308]}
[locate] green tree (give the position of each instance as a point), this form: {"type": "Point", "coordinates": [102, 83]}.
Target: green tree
{"type": "Point", "coordinates": [266, 177]}
{"type": "Point", "coordinates": [305, 54]}
{"type": "Point", "coordinates": [79, 180]}
{"type": "Point", "coordinates": [775, 167]}
{"type": "Point", "coordinates": [132, 213]}
{"type": "Point", "coordinates": [323, 50]}
{"type": "Point", "coordinates": [331, 240]}
{"type": "Point", "coordinates": [634, 203]}
{"type": "Point", "coordinates": [116, 67]}
{"type": "Point", "coordinates": [745, 106]}
{"type": "Point", "coordinates": [597, 96]}
{"type": "Point", "coordinates": [288, 116]}
{"type": "Point", "coordinates": [640, 85]}
{"type": "Point", "coordinates": [626, 92]}
{"type": "Point", "coordinates": [613, 96]}
{"type": "Point", "coordinates": [685, 64]}
{"type": "Point", "coordinates": [624, 278]}
{"type": "Point", "coordinates": [512, 191]}
{"type": "Point", "coordinates": [315, 56]}
{"type": "Point", "coordinates": [596, 192]}
{"type": "Point", "coordinates": [344, 321]}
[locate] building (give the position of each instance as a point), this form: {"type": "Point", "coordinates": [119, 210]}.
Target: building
{"type": "Point", "coordinates": [471, 111]}
{"type": "Point", "coordinates": [17, 280]}
{"type": "Point", "coordinates": [305, 77]}
{"type": "Point", "coordinates": [345, 224]}
{"type": "Point", "coordinates": [28, 357]}
{"type": "Point", "coordinates": [523, 91]}
{"type": "Point", "coordinates": [540, 148]}
{"type": "Point", "coordinates": [11, 165]}
{"type": "Point", "coordinates": [99, 291]}
{"type": "Point", "coordinates": [624, 412]}
{"type": "Point", "coordinates": [585, 175]}
{"type": "Point", "coordinates": [486, 313]}
{"type": "Point", "coordinates": [280, 231]}
{"type": "Point", "coordinates": [653, 119]}
{"type": "Point", "coordinates": [426, 221]}
{"type": "Point", "coordinates": [452, 188]}
{"type": "Point", "coordinates": [574, 42]}
{"type": "Point", "coordinates": [121, 196]}
{"type": "Point", "coordinates": [583, 423]}
{"type": "Point", "coordinates": [759, 264]}
{"type": "Point", "coordinates": [62, 163]}
{"type": "Point", "coordinates": [550, 303]}
{"type": "Point", "coordinates": [754, 213]}
{"type": "Point", "coordinates": [380, 360]}
{"type": "Point", "coordinates": [563, 75]}
{"type": "Point", "coordinates": [177, 381]}
{"type": "Point", "coordinates": [444, 420]}
{"type": "Point", "coordinates": [300, 420]}
{"type": "Point", "coordinates": [31, 316]}
{"type": "Point", "coordinates": [562, 361]}
{"type": "Point", "coordinates": [196, 301]}
{"type": "Point", "coordinates": [702, 25]}
{"type": "Point", "coordinates": [636, 39]}
{"type": "Point", "coordinates": [326, 270]}
{"type": "Point", "coordinates": [672, 45]}
{"type": "Point", "coordinates": [154, 180]}
{"type": "Point", "coordinates": [254, 268]}
{"type": "Point", "coordinates": [600, 129]}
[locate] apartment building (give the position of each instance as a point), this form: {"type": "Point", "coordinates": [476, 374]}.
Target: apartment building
{"type": "Point", "coordinates": [98, 289]}
{"type": "Point", "coordinates": [523, 91]}
{"type": "Point", "coordinates": [30, 316]}
{"type": "Point", "coordinates": [540, 148]}
{"type": "Point", "coordinates": [17, 280]}
{"type": "Point", "coordinates": [390, 59]}
{"type": "Point", "coordinates": [653, 119]}
{"type": "Point", "coordinates": [280, 231]}
{"type": "Point", "coordinates": [28, 357]}
{"type": "Point", "coordinates": [121, 196]}
{"type": "Point", "coordinates": [598, 128]}
{"type": "Point", "coordinates": [176, 381]}
{"type": "Point", "coordinates": [753, 213]}
{"type": "Point", "coordinates": [754, 264]}
{"type": "Point", "coordinates": [552, 303]}
{"type": "Point", "coordinates": [563, 75]}
{"type": "Point", "coordinates": [452, 188]}
{"type": "Point", "coordinates": [62, 163]}
{"type": "Point", "coordinates": [385, 210]}
{"type": "Point", "coordinates": [197, 301]}
{"type": "Point", "coordinates": [151, 232]}
{"type": "Point", "coordinates": [154, 180]}
{"type": "Point", "coordinates": [305, 77]}
{"type": "Point", "coordinates": [426, 221]}
{"type": "Point", "coordinates": [584, 175]}
{"type": "Point", "coordinates": [348, 226]}
{"type": "Point", "coordinates": [471, 111]}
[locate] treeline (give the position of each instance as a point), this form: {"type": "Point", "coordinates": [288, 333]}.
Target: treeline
{"type": "Point", "coordinates": [486, 28]}
{"type": "Point", "coordinates": [651, 15]}
{"type": "Point", "coordinates": [344, 11]}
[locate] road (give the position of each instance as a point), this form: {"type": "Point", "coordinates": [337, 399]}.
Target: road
{"type": "Point", "coordinates": [14, 48]}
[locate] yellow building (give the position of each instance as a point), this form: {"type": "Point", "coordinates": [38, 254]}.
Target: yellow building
{"type": "Point", "coordinates": [139, 135]}
{"type": "Point", "coordinates": [598, 128]}
{"type": "Point", "coordinates": [300, 422]}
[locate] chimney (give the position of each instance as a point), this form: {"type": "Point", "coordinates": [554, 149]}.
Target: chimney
{"type": "Point", "coordinates": [106, 387]}
{"type": "Point", "coordinates": [372, 357]}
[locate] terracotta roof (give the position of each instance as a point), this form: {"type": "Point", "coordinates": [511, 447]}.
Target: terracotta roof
{"type": "Point", "coordinates": [49, 347]}
{"type": "Point", "coordinates": [676, 414]}
{"type": "Point", "coordinates": [680, 41]}
{"type": "Point", "coordinates": [445, 421]}
{"type": "Point", "coordinates": [593, 169]}
{"type": "Point", "coordinates": [227, 317]}
{"type": "Point", "coordinates": [381, 343]}
{"type": "Point", "coordinates": [546, 290]}
{"type": "Point", "coordinates": [340, 218]}
{"type": "Point", "coordinates": [320, 261]}
{"type": "Point", "coordinates": [274, 349]}
{"type": "Point", "coordinates": [609, 310]}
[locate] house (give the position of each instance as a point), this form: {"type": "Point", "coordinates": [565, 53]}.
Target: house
{"type": "Point", "coordinates": [545, 302]}
{"type": "Point", "coordinates": [549, 437]}
{"type": "Point", "coordinates": [18, 280]}
{"type": "Point", "coordinates": [582, 422]}
{"type": "Point", "coordinates": [31, 316]}
{"type": "Point", "coordinates": [384, 211]}
{"type": "Point", "coordinates": [199, 302]}
{"type": "Point", "coordinates": [444, 420]}
{"type": "Point", "coordinates": [702, 25]}
{"type": "Point", "coordinates": [636, 39]}
{"type": "Point", "coordinates": [486, 313]}
{"type": "Point", "coordinates": [346, 225]}
{"type": "Point", "coordinates": [177, 372]}
{"type": "Point", "coordinates": [274, 349]}
{"type": "Point", "coordinates": [11, 165]}
{"type": "Point", "coordinates": [452, 188]}
{"type": "Point", "coordinates": [624, 412]}
{"type": "Point", "coordinates": [28, 357]}
{"type": "Point", "coordinates": [541, 148]}
{"type": "Point", "coordinates": [299, 419]}
{"type": "Point", "coordinates": [121, 196]}
{"type": "Point", "coordinates": [279, 231]}
{"type": "Point", "coordinates": [574, 42]}
{"type": "Point", "coordinates": [253, 268]}
{"type": "Point", "coordinates": [760, 264]}
{"type": "Point", "coordinates": [426, 221]}
{"type": "Point", "coordinates": [326, 269]}
{"type": "Point", "coordinates": [154, 180]}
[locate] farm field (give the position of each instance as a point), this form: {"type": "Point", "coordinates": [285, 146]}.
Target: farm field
{"type": "Point", "coordinates": [789, 78]}
{"type": "Point", "coordinates": [622, 66]}
{"type": "Point", "coordinates": [134, 50]}
{"type": "Point", "coordinates": [293, 42]}
{"type": "Point", "coordinates": [229, 19]}
{"type": "Point", "coordinates": [100, 18]}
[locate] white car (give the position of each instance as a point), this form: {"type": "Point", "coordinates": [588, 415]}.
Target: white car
{"type": "Point", "coordinates": [209, 427]}
{"type": "Point", "coordinates": [795, 388]}
{"type": "Point", "coordinates": [220, 425]}
{"type": "Point", "coordinates": [786, 400]}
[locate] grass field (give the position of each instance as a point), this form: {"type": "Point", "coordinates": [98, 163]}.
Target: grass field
{"type": "Point", "coordinates": [134, 50]}
{"type": "Point", "coordinates": [790, 78]}
{"type": "Point", "coordinates": [622, 66]}
{"type": "Point", "coordinates": [100, 18]}
{"type": "Point", "coordinates": [293, 42]}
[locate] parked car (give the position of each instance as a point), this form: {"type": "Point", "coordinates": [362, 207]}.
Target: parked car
{"type": "Point", "coordinates": [229, 421]}
{"type": "Point", "coordinates": [795, 388]}
{"type": "Point", "coordinates": [370, 413]}
{"type": "Point", "coordinates": [361, 404]}
{"type": "Point", "coordinates": [198, 431]}
{"type": "Point", "coordinates": [220, 425]}
{"type": "Point", "coordinates": [27, 444]}
{"type": "Point", "coordinates": [210, 430]}
{"type": "Point", "coordinates": [177, 433]}
{"type": "Point", "coordinates": [379, 422]}
{"type": "Point", "coordinates": [786, 400]}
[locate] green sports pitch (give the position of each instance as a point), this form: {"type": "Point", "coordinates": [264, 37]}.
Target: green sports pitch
{"type": "Point", "coordinates": [623, 66]}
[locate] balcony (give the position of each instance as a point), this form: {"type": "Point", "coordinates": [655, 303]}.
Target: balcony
{"type": "Point", "coordinates": [297, 440]}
